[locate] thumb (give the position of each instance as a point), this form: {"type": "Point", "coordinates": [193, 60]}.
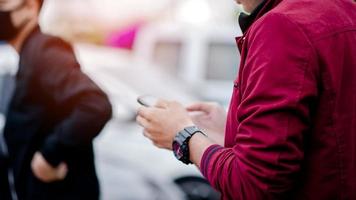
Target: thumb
{"type": "Point", "coordinates": [61, 171]}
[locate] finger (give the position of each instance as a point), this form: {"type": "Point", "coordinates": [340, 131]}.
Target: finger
{"type": "Point", "coordinates": [62, 171]}
{"type": "Point", "coordinates": [35, 169]}
{"type": "Point", "coordinates": [147, 135]}
{"type": "Point", "coordinates": [147, 113]}
{"type": "Point", "coordinates": [33, 162]}
{"type": "Point", "coordinates": [201, 107]}
{"type": "Point", "coordinates": [37, 156]}
{"type": "Point", "coordinates": [36, 165]}
{"type": "Point", "coordinates": [175, 104]}
{"type": "Point", "coordinates": [198, 118]}
{"type": "Point", "coordinates": [142, 121]}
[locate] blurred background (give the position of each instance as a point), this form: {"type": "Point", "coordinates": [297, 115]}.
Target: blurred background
{"type": "Point", "coordinates": [177, 49]}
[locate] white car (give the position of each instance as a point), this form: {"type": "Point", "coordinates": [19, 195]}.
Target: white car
{"type": "Point", "coordinates": [204, 56]}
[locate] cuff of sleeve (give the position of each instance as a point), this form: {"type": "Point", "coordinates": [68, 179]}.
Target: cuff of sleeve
{"type": "Point", "coordinates": [205, 161]}
{"type": "Point", "coordinates": [52, 151]}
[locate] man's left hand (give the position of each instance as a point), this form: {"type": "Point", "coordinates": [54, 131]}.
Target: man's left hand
{"type": "Point", "coordinates": [45, 172]}
{"type": "Point", "coordinates": [162, 122]}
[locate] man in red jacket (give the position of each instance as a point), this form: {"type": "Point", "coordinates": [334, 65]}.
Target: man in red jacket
{"type": "Point", "coordinates": [291, 127]}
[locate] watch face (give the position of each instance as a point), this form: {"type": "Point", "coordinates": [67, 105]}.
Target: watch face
{"type": "Point", "coordinates": [177, 150]}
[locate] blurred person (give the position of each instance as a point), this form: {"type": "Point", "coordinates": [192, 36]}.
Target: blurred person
{"type": "Point", "coordinates": [290, 132]}
{"type": "Point", "coordinates": [53, 113]}
{"type": "Point", "coordinates": [8, 65]}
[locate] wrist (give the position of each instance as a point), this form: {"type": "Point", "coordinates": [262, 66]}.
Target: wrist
{"type": "Point", "coordinates": [198, 144]}
{"type": "Point", "coordinates": [197, 138]}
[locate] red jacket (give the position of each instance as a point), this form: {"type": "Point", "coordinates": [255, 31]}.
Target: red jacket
{"type": "Point", "coordinates": [291, 128]}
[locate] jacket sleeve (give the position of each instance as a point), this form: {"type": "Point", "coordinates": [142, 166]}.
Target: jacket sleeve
{"type": "Point", "coordinates": [89, 109]}
{"type": "Point", "coordinates": [278, 88]}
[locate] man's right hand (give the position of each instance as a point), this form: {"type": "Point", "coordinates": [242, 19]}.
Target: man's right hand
{"type": "Point", "coordinates": [45, 172]}
{"type": "Point", "coordinates": [211, 118]}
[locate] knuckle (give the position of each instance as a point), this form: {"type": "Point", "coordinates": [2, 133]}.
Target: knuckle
{"type": "Point", "coordinates": [149, 128]}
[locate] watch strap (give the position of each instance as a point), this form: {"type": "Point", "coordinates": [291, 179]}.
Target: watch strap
{"type": "Point", "coordinates": [184, 136]}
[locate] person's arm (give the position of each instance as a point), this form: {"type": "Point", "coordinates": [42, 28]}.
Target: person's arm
{"type": "Point", "coordinates": [198, 144]}
{"type": "Point", "coordinates": [279, 86]}
{"type": "Point", "coordinates": [68, 87]}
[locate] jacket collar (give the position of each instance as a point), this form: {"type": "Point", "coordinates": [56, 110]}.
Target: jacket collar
{"type": "Point", "coordinates": [246, 21]}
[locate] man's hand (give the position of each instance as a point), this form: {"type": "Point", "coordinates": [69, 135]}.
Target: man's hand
{"type": "Point", "coordinates": [162, 122]}
{"type": "Point", "coordinates": [211, 118]}
{"type": "Point", "coordinates": [45, 172]}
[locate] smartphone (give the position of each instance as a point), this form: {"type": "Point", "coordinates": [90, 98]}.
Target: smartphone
{"type": "Point", "coordinates": [147, 100]}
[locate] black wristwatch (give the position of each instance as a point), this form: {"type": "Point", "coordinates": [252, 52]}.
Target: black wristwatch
{"type": "Point", "coordinates": [181, 143]}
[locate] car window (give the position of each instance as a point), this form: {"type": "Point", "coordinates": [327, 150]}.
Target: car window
{"type": "Point", "coordinates": [167, 55]}
{"type": "Point", "coordinates": [222, 61]}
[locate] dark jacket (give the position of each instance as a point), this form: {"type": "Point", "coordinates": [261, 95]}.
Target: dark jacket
{"type": "Point", "coordinates": [291, 128]}
{"type": "Point", "coordinates": [57, 110]}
